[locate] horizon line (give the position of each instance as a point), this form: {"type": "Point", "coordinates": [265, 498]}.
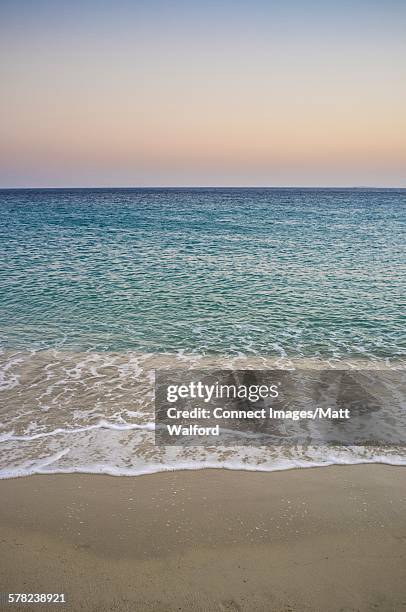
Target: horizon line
{"type": "Point", "coordinates": [67, 187]}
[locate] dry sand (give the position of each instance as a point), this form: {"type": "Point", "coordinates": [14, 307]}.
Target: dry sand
{"type": "Point", "coordinates": [320, 539]}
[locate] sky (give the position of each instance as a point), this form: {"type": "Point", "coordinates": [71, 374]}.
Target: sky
{"type": "Point", "coordinates": [202, 93]}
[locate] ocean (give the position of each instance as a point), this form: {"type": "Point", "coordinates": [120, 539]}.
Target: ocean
{"type": "Point", "coordinates": [100, 287]}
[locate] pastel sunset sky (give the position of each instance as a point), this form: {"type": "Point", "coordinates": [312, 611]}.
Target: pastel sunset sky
{"type": "Point", "coordinates": [226, 92]}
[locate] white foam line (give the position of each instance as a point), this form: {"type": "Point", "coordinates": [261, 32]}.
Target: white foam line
{"type": "Point", "coordinates": [109, 470]}
{"type": "Point", "coordinates": [24, 470]}
{"type": "Point", "coordinates": [59, 430]}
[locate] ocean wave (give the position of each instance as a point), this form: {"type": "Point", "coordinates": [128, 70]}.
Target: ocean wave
{"type": "Point", "coordinates": [94, 412]}
{"type": "Point", "coordinates": [111, 470]}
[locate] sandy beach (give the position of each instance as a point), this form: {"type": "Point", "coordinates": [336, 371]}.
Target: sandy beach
{"type": "Point", "coordinates": [331, 538]}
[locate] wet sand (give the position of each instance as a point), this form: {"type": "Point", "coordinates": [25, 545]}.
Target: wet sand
{"type": "Point", "coordinates": [322, 539]}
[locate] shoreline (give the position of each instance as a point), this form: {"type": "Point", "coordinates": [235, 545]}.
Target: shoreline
{"type": "Point", "coordinates": [204, 468]}
{"type": "Point", "coordinates": [95, 412]}
{"type": "Point", "coordinates": [328, 538]}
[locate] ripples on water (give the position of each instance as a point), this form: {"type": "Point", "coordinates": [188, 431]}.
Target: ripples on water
{"type": "Point", "coordinates": [97, 288]}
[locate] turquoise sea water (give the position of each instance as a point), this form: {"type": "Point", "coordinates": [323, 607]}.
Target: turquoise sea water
{"type": "Point", "coordinates": [100, 288]}
{"type": "Point", "coordinates": [295, 272]}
